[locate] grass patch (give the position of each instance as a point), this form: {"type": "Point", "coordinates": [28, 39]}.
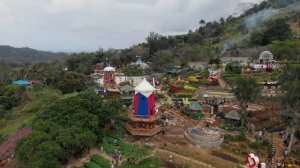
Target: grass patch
{"type": "Point", "coordinates": [108, 148]}
{"type": "Point", "coordinates": [91, 165]}
{"type": "Point", "coordinates": [133, 152]}
{"type": "Point", "coordinates": [193, 115]}
{"type": "Point", "coordinates": [101, 161]}
{"type": "Point", "coordinates": [150, 162]}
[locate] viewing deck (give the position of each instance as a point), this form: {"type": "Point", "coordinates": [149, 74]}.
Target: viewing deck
{"type": "Point", "coordinates": [139, 118]}
{"type": "Point", "coordinates": [143, 132]}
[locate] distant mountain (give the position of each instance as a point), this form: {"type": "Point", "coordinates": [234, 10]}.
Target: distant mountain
{"type": "Point", "coordinates": [26, 55]}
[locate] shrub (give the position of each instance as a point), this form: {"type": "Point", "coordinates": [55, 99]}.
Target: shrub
{"type": "Point", "coordinates": [189, 88]}
{"type": "Point", "coordinates": [240, 137]}
{"type": "Point", "coordinates": [183, 94]}
{"type": "Point", "coordinates": [277, 128]}
{"type": "Point", "coordinates": [269, 124]}
{"type": "Point", "coordinates": [230, 126]}
{"type": "Point", "coordinates": [193, 115]}
{"type": "Point", "coordinates": [260, 143]}
{"type": "Point", "coordinates": [108, 148]}
{"type": "Point", "coordinates": [221, 114]}
{"type": "Point", "coordinates": [101, 161]}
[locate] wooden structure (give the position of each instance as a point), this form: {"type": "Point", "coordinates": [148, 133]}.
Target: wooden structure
{"type": "Point", "coordinates": [144, 116]}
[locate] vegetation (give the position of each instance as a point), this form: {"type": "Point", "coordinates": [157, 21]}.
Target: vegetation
{"type": "Point", "coordinates": [150, 162]}
{"type": "Point", "coordinates": [133, 152]}
{"type": "Point", "coordinates": [235, 138]}
{"type": "Point", "coordinates": [277, 29]}
{"type": "Point", "coordinates": [260, 143]}
{"type": "Point", "coordinates": [101, 161]}
{"type": "Point", "coordinates": [133, 70]}
{"type": "Point", "coordinates": [65, 128]}
{"type": "Point", "coordinates": [20, 56]}
{"type": "Point", "coordinates": [245, 90]}
{"type": "Point", "coordinates": [291, 99]}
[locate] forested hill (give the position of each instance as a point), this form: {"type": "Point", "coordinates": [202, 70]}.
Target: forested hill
{"type": "Point", "coordinates": [26, 55]}
{"type": "Point", "coordinates": [271, 25]}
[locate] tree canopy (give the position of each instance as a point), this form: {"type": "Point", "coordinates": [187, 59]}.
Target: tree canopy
{"type": "Point", "coordinates": [65, 128]}
{"type": "Point", "coordinates": [246, 89]}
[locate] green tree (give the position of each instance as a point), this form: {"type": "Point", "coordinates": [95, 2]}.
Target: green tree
{"type": "Point", "coordinates": [246, 89]}
{"type": "Point", "coordinates": [73, 82]}
{"type": "Point", "coordinates": [277, 29]}
{"type": "Point", "coordinates": [202, 22]}
{"type": "Point", "coordinates": [290, 80]}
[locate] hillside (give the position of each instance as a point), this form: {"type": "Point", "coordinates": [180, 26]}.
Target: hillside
{"type": "Point", "coordinates": [26, 55]}
{"type": "Point", "coordinates": [257, 29]}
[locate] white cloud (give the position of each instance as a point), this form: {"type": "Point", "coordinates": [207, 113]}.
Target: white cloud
{"type": "Point", "coordinates": [78, 25]}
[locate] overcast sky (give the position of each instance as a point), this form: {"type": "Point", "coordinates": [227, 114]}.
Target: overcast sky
{"type": "Point", "coordinates": [86, 25]}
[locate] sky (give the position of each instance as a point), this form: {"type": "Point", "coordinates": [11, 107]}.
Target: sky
{"type": "Point", "coordinates": [87, 25]}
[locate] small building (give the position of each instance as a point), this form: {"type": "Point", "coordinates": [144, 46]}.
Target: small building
{"type": "Point", "coordinates": [127, 92]}
{"type": "Point", "coordinates": [271, 86]}
{"type": "Point", "coordinates": [173, 72]}
{"type": "Point", "coordinates": [109, 77]}
{"type": "Point", "coordinates": [233, 117]}
{"type": "Point", "coordinates": [198, 64]}
{"type": "Point", "coordinates": [144, 113]}
{"type": "Point", "coordinates": [264, 57]}
{"type": "Point", "coordinates": [99, 91]}
{"type": "Point", "coordinates": [36, 82]}
{"type": "Point", "coordinates": [22, 82]}
{"type": "Point", "coordinates": [242, 60]}
{"type": "Point", "coordinates": [113, 93]}
{"type": "Point", "coordinates": [98, 68]}
{"type": "Point", "coordinates": [140, 63]}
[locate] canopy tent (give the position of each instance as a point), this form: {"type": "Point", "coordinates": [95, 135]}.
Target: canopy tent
{"type": "Point", "coordinates": [144, 100]}
{"type": "Point", "coordinates": [234, 115]}
{"type": "Point", "coordinates": [195, 106]}
{"type": "Point", "coordinates": [22, 82]}
{"type": "Point", "coordinates": [174, 72]}
{"type": "Point", "coordinates": [127, 88]}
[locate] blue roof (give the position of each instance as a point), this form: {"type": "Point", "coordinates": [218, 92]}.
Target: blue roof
{"type": "Point", "coordinates": [22, 82]}
{"type": "Point", "coordinates": [139, 61]}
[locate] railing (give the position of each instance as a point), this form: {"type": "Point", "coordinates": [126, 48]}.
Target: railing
{"type": "Point", "coordinates": [143, 132]}
{"type": "Point", "coordinates": [144, 118]}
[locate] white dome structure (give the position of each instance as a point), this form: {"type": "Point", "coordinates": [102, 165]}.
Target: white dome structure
{"type": "Point", "coordinates": [266, 55]}
{"type": "Point", "coordinates": [145, 88]}
{"type": "Point", "coordinates": [108, 69]}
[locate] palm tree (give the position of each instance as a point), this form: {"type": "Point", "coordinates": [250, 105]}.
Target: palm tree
{"type": "Point", "coordinates": [246, 89]}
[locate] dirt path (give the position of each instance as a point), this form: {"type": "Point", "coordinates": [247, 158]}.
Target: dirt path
{"type": "Point", "coordinates": [222, 82]}
{"type": "Point", "coordinates": [175, 156]}
{"type": "Point", "coordinates": [278, 145]}
{"type": "Point", "coordinates": [77, 162]}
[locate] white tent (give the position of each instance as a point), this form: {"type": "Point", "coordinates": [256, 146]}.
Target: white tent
{"type": "Point", "coordinates": [144, 88]}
